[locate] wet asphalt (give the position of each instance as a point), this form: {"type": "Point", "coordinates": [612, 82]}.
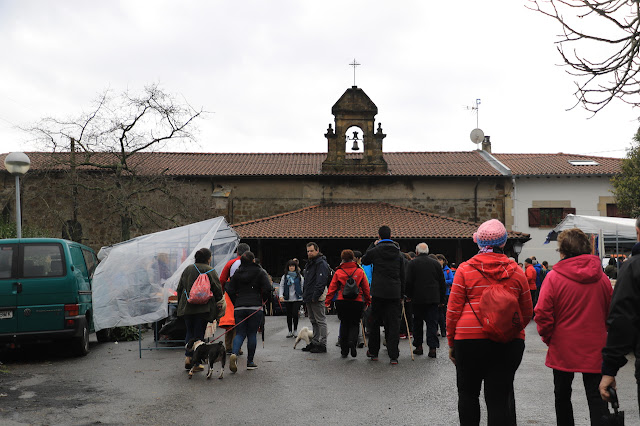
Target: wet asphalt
{"type": "Point", "coordinates": [113, 385]}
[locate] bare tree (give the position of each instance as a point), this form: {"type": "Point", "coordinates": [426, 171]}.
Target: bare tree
{"type": "Point", "coordinates": [107, 145]}
{"type": "Point", "coordinates": [599, 43]}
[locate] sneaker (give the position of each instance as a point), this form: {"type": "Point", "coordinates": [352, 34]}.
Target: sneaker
{"type": "Point", "coordinates": [233, 365]}
{"type": "Point", "coordinates": [318, 349]}
{"type": "Point", "coordinates": [432, 353]}
{"type": "Point", "coordinates": [403, 336]}
{"type": "Point", "coordinates": [344, 354]}
{"type": "Point", "coordinates": [187, 363]}
{"type": "Point", "coordinates": [199, 367]}
{"type": "Point", "coordinates": [338, 343]}
{"type": "Point", "coordinates": [394, 362]}
{"type": "Point", "coordinates": [251, 365]}
{"type": "Point", "coordinates": [361, 345]}
{"type": "Point", "coordinates": [295, 333]}
{"type": "Point", "coordinates": [418, 350]}
{"type": "Point", "coordinates": [290, 334]}
{"type": "Point", "coordinates": [371, 356]}
{"type": "Point", "coordinates": [308, 347]}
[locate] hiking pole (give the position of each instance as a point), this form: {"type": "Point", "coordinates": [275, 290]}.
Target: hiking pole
{"type": "Point", "coordinates": [404, 314]}
{"type": "Point", "coordinates": [364, 335]}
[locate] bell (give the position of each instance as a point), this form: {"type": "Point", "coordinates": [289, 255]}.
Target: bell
{"type": "Point", "coordinates": [355, 146]}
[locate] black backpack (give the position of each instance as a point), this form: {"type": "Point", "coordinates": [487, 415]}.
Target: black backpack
{"type": "Point", "coordinates": [351, 290]}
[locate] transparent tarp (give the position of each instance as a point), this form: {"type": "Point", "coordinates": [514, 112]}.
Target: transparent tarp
{"type": "Point", "coordinates": [135, 278]}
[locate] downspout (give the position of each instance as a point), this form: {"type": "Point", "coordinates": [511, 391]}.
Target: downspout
{"type": "Point", "coordinates": [475, 200]}
{"type": "Point", "coordinates": [514, 199]}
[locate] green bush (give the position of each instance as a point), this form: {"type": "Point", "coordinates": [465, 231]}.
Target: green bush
{"type": "Point", "coordinates": [124, 334]}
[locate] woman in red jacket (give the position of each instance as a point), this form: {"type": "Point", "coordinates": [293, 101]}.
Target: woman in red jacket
{"type": "Point", "coordinates": [571, 315]}
{"type": "Point", "coordinates": [349, 310]}
{"type": "Point", "coordinates": [477, 358]}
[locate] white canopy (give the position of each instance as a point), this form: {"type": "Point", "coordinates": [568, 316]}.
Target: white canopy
{"type": "Point", "coordinates": [134, 279]}
{"type": "Point", "coordinates": [610, 226]}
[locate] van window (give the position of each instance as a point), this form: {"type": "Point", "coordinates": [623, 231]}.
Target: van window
{"type": "Point", "coordinates": [42, 260]}
{"type": "Point", "coordinates": [90, 260]}
{"type": "Point", "coordinates": [6, 262]}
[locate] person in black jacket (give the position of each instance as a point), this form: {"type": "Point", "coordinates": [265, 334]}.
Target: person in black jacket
{"type": "Point", "coordinates": [426, 290]}
{"type": "Point", "coordinates": [249, 287]}
{"type": "Point", "coordinates": [387, 290]}
{"type": "Point", "coordinates": [316, 280]}
{"type": "Point", "coordinates": [623, 322]}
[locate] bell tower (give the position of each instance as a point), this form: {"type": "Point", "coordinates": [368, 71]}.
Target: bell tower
{"type": "Point", "coordinates": [354, 109]}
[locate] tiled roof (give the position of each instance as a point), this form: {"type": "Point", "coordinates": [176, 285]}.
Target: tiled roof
{"type": "Point", "coordinates": [359, 220]}
{"type": "Point", "coordinates": [558, 164]}
{"type": "Point", "coordinates": [427, 164]}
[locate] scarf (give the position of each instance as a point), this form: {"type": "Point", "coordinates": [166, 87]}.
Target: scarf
{"type": "Point", "coordinates": [293, 279]}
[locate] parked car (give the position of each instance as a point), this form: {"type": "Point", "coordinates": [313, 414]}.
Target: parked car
{"type": "Point", "coordinates": [45, 292]}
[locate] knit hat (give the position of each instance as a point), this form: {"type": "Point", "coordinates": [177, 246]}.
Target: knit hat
{"type": "Point", "coordinates": [491, 233]}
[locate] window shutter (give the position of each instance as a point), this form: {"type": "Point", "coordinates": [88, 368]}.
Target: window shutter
{"type": "Point", "coordinates": [534, 217]}
{"type": "Point", "coordinates": [568, 210]}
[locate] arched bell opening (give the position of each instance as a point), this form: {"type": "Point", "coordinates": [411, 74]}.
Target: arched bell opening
{"type": "Point", "coordinates": [354, 140]}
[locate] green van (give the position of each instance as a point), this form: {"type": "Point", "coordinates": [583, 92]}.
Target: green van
{"type": "Point", "coordinates": [45, 291]}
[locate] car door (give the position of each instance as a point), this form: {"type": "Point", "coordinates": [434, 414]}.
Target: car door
{"type": "Point", "coordinates": [9, 287]}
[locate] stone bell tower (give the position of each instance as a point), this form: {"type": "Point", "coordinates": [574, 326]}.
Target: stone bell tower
{"type": "Point", "coordinates": [354, 109]}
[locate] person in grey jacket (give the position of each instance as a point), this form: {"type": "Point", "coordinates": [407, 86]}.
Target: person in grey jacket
{"type": "Point", "coordinates": [316, 277]}
{"type": "Point", "coordinates": [290, 293]}
{"type": "Point", "coordinates": [426, 289]}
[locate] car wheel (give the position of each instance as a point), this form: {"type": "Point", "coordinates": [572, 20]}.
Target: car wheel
{"type": "Point", "coordinates": [80, 345]}
{"type": "Point", "coordinates": [104, 335]}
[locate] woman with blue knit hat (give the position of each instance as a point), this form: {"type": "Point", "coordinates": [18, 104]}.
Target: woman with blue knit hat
{"type": "Point", "coordinates": [477, 358]}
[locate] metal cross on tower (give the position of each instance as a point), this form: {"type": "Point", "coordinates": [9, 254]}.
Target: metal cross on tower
{"type": "Point", "coordinates": [354, 64]}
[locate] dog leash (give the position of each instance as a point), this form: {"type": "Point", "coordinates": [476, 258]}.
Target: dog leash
{"type": "Point", "coordinates": [261, 308]}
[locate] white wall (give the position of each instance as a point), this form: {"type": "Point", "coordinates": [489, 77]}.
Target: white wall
{"type": "Point", "coordinates": [583, 193]}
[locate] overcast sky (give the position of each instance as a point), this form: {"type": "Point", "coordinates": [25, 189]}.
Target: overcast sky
{"type": "Point", "coordinates": [270, 71]}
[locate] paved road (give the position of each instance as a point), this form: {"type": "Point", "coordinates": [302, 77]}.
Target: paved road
{"type": "Point", "coordinates": [112, 385]}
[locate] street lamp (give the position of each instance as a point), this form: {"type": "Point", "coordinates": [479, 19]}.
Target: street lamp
{"type": "Point", "coordinates": [517, 249]}
{"type": "Point", "coordinates": [17, 163]}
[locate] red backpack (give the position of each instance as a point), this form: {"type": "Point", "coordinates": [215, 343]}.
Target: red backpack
{"type": "Point", "coordinates": [500, 314]}
{"type": "Point", "coordinates": [200, 293]}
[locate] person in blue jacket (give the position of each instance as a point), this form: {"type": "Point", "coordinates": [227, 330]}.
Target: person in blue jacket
{"type": "Point", "coordinates": [448, 279]}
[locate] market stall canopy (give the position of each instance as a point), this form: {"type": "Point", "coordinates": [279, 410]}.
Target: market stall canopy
{"type": "Point", "coordinates": [622, 229]}
{"type": "Point", "coordinates": [134, 279]}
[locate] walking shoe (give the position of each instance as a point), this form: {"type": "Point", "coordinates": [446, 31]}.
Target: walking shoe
{"type": "Point", "coordinates": [295, 333]}
{"type": "Point", "coordinates": [394, 362]}
{"type": "Point", "coordinates": [418, 350]}
{"type": "Point", "coordinates": [308, 347]}
{"type": "Point", "coordinates": [198, 367]}
{"type": "Point", "coordinates": [344, 354]}
{"type": "Point", "coordinates": [251, 365]}
{"type": "Point", "coordinates": [432, 353]}
{"type": "Point", "coordinates": [354, 352]}
{"type": "Point", "coordinates": [403, 335]}
{"type": "Point", "coordinates": [233, 366]}
{"type": "Point", "coordinates": [361, 345]}
{"type": "Point", "coordinates": [372, 356]}
{"type": "Point", "coordinates": [338, 342]}
{"type": "Point", "coordinates": [290, 334]}
{"type": "Point", "coordinates": [318, 349]}
{"type": "Point", "coordinates": [187, 363]}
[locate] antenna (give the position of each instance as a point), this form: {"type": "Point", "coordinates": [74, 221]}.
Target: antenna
{"type": "Point", "coordinates": [477, 110]}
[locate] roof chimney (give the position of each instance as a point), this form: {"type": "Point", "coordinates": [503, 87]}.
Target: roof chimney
{"type": "Point", "coordinates": [486, 144]}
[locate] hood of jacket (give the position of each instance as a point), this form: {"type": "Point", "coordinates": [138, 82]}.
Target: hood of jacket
{"type": "Point", "coordinates": [496, 266]}
{"type": "Point", "coordinates": [388, 250]}
{"type": "Point", "coordinates": [584, 269]}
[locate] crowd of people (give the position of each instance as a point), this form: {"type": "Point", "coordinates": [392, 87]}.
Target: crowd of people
{"type": "Point", "coordinates": [482, 308]}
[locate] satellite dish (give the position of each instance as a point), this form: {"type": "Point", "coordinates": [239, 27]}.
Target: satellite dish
{"type": "Point", "coordinates": [477, 136]}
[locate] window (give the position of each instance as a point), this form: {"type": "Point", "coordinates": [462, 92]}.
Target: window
{"type": "Point", "coordinates": [90, 260]}
{"type": "Point", "coordinates": [42, 260]}
{"type": "Point", "coordinates": [612, 210]}
{"type": "Point", "coordinates": [583, 163]}
{"type": "Point", "coordinates": [6, 261]}
{"type": "Point", "coordinates": [548, 217]}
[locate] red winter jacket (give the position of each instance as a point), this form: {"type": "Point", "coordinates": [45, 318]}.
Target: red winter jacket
{"type": "Point", "coordinates": [531, 275]}
{"type": "Point", "coordinates": [469, 282]}
{"type": "Point", "coordinates": [571, 314]}
{"type": "Point", "coordinates": [340, 278]}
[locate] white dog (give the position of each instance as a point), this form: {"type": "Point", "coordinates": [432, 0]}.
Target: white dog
{"type": "Point", "coordinates": [304, 334]}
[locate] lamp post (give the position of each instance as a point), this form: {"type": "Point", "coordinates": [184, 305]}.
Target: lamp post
{"type": "Point", "coordinates": [517, 249]}
{"type": "Point", "coordinates": [17, 163]}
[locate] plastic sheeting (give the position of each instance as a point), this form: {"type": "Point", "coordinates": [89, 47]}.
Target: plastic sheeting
{"type": "Point", "coordinates": [135, 278]}
{"type": "Point", "coordinates": [611, 227]}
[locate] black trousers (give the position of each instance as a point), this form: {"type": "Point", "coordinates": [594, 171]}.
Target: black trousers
{"type": "Point", "coordinates": [349, 313]}
{"type": "Point", "coordinates": [385, 312]}
{"type": "Point", "coordinates": [292, 314]}
{"type": "Point", "coordinates": [562, 381]}
{"type": "Point", "coordinates": [479, 360]}
{"type": "Point", "coordinates": [428, 313]}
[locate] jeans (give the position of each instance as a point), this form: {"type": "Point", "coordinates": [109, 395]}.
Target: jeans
{"type": "Point", "coordinates": [428, 313]}
{"type": "Point", "coordinates": [479, 360]}
{"type": "Point", "coordinates": [318, 320]}
{"type": "Point", "coordinates": [248, 329]}
{"type": "Point", "coordinates": [562, 381]}
{"type": "Point", "coordinates": [385, 312]}
{"type": "Point", "coordinates": [349, 312]}
{"type": "Point", "coordinates": [196, 327]}
{"type": "Point", "coordinates": [292, 314]}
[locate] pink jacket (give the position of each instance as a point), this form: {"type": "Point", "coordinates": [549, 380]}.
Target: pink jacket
{"type": "Point", "coordinates": [571, 314]}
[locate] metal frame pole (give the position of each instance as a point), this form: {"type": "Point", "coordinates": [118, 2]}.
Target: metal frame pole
{"type": "Point", "coordinates": [18, 212]}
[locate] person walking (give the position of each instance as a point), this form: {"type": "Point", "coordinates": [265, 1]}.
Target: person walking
{"type": "Point", "coordinates": [623, 322]}
{"type": "Point", "coordinates": [477, 358]}
{"type": "Point", "coordinates": [532, 275]}
{"type": "Point", "coordinates": [227, 321]}
{"type": "Point", "coordinates": [571, 314]}
{"type": "Point", "coordinates": [387, 291]}
{"type": "Point", "coordinates": [248, 289]}
{"type": "Point", "coordinates": [448, 280]}
{"type": "Point", "coordinates": [426, 290]}
{"type": "Point", "coordinates": [349, 308]}
{"type": "Point", "coordinates": [316, 274]}
{"type": "Point", "coordinates": [290, 293]}
{"type": "Point", "coordinates": [195, 316]}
